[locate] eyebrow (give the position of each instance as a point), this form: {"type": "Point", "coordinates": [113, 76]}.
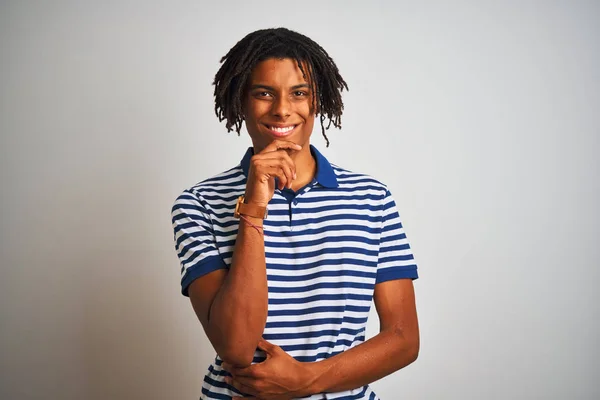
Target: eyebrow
{"type": "Point", "coordinates": [271, 88]}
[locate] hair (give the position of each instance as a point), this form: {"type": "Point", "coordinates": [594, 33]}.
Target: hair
{"type": "Point", "coordinates": [316, 65]}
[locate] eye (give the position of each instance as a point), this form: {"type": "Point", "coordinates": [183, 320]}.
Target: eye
{"type": "Point", "coordinates": [262, 94]}
{"type": "Point", "coordinates": [300, 93]}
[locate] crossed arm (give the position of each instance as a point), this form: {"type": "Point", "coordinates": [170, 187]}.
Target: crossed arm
{"type": "Point", "coordinates": [235, 336]}
{"type": "Point", "coordinates": [396, 345]}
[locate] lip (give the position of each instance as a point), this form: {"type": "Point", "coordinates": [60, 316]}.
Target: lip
{"type": "Point", "coordinates": [279, 133]}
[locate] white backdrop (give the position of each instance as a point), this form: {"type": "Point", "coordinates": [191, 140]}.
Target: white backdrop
{"type": "Point", "coordinates": [482, 117]}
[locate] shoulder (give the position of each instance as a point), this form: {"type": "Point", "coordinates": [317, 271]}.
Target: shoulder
{"type": "Point", "coordinates": [220, 187]}
{"type": "Point", "coordinates": [231, 179]}
{"type": "Point", "coordinates": [356, 181]}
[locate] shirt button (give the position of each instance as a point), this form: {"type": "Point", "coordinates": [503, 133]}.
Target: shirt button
{"type": "Point", "coordinates": [295, 202]}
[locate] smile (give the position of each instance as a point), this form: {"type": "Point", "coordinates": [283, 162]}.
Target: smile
{"type": "Point", "coordinates": [280, 130]}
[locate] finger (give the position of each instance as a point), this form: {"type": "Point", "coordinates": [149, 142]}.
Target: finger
{"type": "Point", "coordinates": [267, 347]}
{"type": "Point", "coordinates": [290, 175]}
{"type": "Point", "coordinates": [232, 369]}
{"type": "Point", "coordinates": [281, 144]}
{"type": "Point", "coordinates": [265, 172]}
{"type": "Point", "coordinates": [237, 371]}
{"type": "Point", "coordinates": [282, 159]}
{"type": "Point", "coordinates": [278, 153]}
{"type": "Point", "coordinates": [282, 180]}
{"type": "Point", "coordinates": [241, 387]}
{"type": "Point", "coordinates": [250, 371]}
{"type": "Point", "coordinates": [282, 168]}
{"type": "Point", "coordinates": [246, 382]}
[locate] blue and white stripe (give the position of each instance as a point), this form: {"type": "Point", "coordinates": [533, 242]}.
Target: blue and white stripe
{"type": "Point", "coordinates": [326, 249]}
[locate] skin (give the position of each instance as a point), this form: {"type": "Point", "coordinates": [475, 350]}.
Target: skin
{"type": "Point", "coordinates": [232, 304]}
{"type": "Point", "coordinates": [395, 346]}
{"type": "Point", "coordinates": [279, 96]}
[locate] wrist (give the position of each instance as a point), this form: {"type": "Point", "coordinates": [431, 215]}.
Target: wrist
{"type": "Point", "coordinates": [313, 374]}
{"type": "Point", "coordinates": [252, 221]}
{"type": "Point", "coordinates": [250, 197]}
{"type": "Point", "coordinates": [242, 207]}
{"type": "Point", "coordinates": [249, 200]}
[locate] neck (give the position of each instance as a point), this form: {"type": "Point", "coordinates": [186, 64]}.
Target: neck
{"type": "Point", "coordinates": [306, 168]}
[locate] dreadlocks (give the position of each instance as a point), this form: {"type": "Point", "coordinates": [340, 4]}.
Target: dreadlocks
{"type": "Point", "coordinates": [316, 66]}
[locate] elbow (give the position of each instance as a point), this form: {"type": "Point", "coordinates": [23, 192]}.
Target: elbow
{"type": "Point", "coordinates": [236, 359]}
{"type": "Point", "coordinates": [413, 350]}
{"type": "Point", "coordinates": [412, 344]}
{"type": "Point", "coordinates": [237, 350]}
{"type": "Point", "coordinates": [408, 344]}
{"type": "Point", "coordinates": [237, 356]}
{"type": "Point", "coordinates": [412, 347]}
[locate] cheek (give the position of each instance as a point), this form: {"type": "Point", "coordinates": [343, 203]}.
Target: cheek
{"type": "Point", "coordinates": [261, 109]}
{"type": "Point", "coordinates": [309, 122]}
{"type": "Point", "coordinates": [306, 110]}
{"type": "Point", "coordinates": [253, 110]}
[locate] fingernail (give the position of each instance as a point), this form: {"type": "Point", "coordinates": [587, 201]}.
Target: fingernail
{"type": "Point", "coordinates": [294, 175]}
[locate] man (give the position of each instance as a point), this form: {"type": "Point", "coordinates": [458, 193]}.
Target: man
{"type": "Point", "coordinates": [285, 252]}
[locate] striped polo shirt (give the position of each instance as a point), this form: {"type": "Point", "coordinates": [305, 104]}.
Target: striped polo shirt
{"type": "Point", "coordinates": [326, 247]}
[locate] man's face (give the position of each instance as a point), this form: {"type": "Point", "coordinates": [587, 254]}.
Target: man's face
{"type": "Point", "coordinates": [278, 104]}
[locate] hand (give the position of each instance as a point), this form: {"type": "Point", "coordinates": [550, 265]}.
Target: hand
{"type": "Point", "coordinates": [272, 162]}
{"type": "Point", "coordinates": [279, 377]}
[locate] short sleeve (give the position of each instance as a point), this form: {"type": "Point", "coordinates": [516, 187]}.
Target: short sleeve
{"type": "Point", "coordinates": [396, 260]}
{"type": "Point", "coordinates": [194, 240]}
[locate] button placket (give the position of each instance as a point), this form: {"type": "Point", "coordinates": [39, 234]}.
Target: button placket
{"type": "Point", "coordinates": [294, 203]}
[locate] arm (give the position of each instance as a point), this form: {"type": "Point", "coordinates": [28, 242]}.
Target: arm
{"type": "Point", "coordinates": [396, 346]}
{"type": "Point", "coordinates": [232, 304]}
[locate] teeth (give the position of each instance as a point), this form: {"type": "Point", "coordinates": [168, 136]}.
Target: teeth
{"type": "Point", "coordinates": [282, 130]}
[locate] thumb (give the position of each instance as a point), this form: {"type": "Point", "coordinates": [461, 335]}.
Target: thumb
{"type": "Point", "coordinates": [267, 347]}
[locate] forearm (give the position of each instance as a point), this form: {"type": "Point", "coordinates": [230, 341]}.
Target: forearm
{"type": "Point", "coordinates": [379, 356]}
{"type": "Point", "coordinates": [239, 311]}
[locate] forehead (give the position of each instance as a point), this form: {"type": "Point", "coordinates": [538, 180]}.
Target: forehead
{"type": "Point", "coordinates": [283, 71]}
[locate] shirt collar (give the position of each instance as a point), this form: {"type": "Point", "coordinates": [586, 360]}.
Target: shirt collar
{"type": "Point", "coordinates": [325, 175]}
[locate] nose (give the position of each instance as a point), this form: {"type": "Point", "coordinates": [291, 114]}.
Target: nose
{"type": "Point", "coordinates": [281, 107]}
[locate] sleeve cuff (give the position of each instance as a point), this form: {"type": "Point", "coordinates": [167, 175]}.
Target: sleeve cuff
{"type": "Point", "coordinates": [388, 274]}
{"type": "Point", "coordinates": [192, 273]}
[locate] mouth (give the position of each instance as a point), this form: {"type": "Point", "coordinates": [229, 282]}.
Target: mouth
{"type": "Point", "coordinates": [280, 130]}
